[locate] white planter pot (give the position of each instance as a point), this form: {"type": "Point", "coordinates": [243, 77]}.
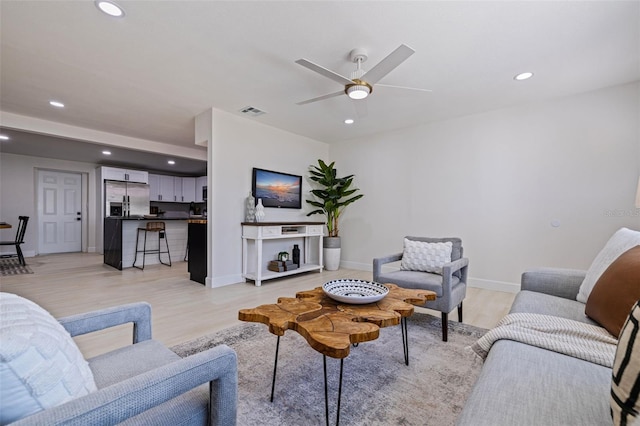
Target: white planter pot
{"type": "Point", "coordinates": [331, 253]}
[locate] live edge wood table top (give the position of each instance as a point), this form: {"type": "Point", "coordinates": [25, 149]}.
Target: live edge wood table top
{"type": "Point", "coordinates": [330, 327]}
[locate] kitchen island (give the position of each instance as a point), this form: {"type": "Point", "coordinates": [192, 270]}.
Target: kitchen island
{"type": "Point", "coordinates": [120, 239]}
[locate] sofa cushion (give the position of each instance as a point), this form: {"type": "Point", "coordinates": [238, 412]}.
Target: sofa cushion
{"type": "Point", "coordinates": [115, 366]}
{"type": "Point", "coordinates": [533, 302]}
{"type": "Point", "coordinates": [615, 292]}
{"type": "Point", "coordinates": [40, 364]}
{"type": "Point", "coordinates": [621, 241]}
{"type": "Point", "coordinates": [528, 386]}
{"type": "Point", "coordinates": [128, 361]}
{"type": "Point", "coordinates": [414, 279]}
{"type": "Point", "coordinates": [625, 404]}
{"type": "Point", "coordinates": [424, 256]}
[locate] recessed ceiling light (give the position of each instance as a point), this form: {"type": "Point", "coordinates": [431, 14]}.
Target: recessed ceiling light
{"type": "Point", "coordinates": [110, 8]}
{"type": "Point", "coordinates": [4, 137]}
{"type": "Point", "coordinates": [348, 121]}
{"type": "Point", "coordinates": [171, 162]}
{"type": "Point", "coordinates": [56, 104]}
{"type": "Point", "coordinates": [106, 152]}
{"type": "Point", "coordinates": [523, 76]}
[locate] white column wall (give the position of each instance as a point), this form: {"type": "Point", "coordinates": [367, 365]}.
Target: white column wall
{"type": "Point", "coordinates": [239, 144]}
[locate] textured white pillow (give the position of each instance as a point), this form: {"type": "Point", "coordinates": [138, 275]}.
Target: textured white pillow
{"type": "Point", "coordinates": [623, 240]}
{"type": "Point", "coordinates": [40, 364]}
{"type": "Point", "coordinates": [426, 257]}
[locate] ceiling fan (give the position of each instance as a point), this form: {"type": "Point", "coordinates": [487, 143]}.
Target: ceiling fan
{"type": "Point", "coordinates": [361, 83]}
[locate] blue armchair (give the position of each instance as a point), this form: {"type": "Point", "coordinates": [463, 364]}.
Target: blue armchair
{"type": "Point", "coordinates": [146, 383]}
{"type": "Point", "coordinates": [450, 287]}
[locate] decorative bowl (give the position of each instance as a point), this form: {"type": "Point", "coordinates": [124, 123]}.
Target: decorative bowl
{"type": "Point", "coordinates": [357, 292]}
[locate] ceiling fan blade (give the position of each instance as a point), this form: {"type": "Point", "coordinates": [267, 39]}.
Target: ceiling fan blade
{"type": "Point", "coordinates": [321, 98]}
{"type": "Point", "coordinates": [361, 108]}
{"type": "Point", "coordinates": [388, 64]}
{"type": "Point", "coordinates": [403, 87]}
{"type": "Point", "coordinates": [324, 71]}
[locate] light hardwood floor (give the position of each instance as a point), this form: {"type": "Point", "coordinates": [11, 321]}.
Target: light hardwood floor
{"type": "Point", "coordinates": [182, 310]}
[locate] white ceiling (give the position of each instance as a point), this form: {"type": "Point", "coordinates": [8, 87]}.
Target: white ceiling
{"type": "Point", "coordinates": [148, 75]}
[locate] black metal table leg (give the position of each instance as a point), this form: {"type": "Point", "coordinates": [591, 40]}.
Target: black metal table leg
{"type": "Point", "coordinates": [275, 367]}
{"type": "Point", "coordinates": [405, 339]}
{"type": "Point", "coordinates": [326, 391]}
{"type": "Point", "coordinates": [339, 392]}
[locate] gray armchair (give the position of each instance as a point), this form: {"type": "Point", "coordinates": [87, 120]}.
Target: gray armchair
{"type": "Point", "coordinates": [450, 287]}
{"type": "Point", "coordinates": [146, 383]}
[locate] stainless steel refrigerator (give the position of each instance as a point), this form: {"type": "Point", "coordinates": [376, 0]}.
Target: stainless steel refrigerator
{"type": "Point", "coordinates": [126, 198]}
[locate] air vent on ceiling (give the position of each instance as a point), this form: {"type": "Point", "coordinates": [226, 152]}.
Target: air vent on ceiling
{"type": "Point", "coordinates": [252, 111]}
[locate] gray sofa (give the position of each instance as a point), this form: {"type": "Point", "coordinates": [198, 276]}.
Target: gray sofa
{"type": "Point", "coordinates": [145, 383]}
{"type": "Point", "coordinates": [525, 385]}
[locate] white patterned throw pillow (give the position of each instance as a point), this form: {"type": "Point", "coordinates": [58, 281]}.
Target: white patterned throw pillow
{"type": "Point", "coordinates": [40, 364]}
{"type": "Point", "coordinates": [623, 240]}
{"type": "Point", "coordinates": [425, 257]}
{"type": "Point", "coordinates": [625, 377]}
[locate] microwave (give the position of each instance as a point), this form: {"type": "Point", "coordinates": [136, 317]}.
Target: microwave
{"type": "Point", "coordinates": [204, 193]}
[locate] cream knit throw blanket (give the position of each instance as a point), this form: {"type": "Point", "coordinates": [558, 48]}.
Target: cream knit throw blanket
{"type": "Point", "coordinates": [579, 340]}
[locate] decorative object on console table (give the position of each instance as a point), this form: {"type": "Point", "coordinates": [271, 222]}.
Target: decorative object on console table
{"type": "Point", "coordinates": [259, 211]}
{"type": "Point", "coordinates": [281, 265]}
{"type": "Point", "coordinates": [283, 255]}
{"type": "Point", "coordinates": [250, 208]}
{"type": "Point", "coordinates": [295, 255]}
{"type": "Point", "coordinates": [335, 194]}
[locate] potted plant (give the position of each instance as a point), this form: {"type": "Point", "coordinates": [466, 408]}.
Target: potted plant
{"type": "Point", "coordinates": [332, 197]}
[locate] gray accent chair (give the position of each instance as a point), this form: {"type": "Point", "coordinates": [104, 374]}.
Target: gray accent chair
{"type": "Point", "coordinates": [450, 287]}
{"type": "Point", "coordinates": [146, 383]}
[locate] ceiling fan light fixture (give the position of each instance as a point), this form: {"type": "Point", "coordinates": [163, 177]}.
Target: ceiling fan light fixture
{"type": "Point", "coordinates": [358, 91]}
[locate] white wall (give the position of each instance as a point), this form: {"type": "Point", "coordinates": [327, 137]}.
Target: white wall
{"type": "Point", "coordinates": [18, 196]}
{"type": "Point", "coordinates": [239, 144]}
{"type": "Point", "coordinates": [498, 180]}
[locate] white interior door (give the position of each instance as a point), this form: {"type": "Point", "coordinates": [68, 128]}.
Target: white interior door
{"type": "Point", "coordinates": [59, 212]}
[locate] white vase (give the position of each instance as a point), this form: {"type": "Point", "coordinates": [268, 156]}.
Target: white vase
{"type": "Point", "coordinates": [250, 208]}
{"type": "Point", "coordinates": [331, 253]}
{"type": "Point", "coordinates": [259, 211]}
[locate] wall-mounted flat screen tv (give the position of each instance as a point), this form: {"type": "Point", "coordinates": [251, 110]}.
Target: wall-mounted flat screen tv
{"type": "Point", "coordinates": [277, 189]}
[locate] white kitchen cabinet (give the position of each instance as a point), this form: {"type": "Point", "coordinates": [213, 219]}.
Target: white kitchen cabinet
{"type": "Point", "coordinates": [113, 173]}
{"type": "Point", "coordinates": [161, 188]}
{"type": "Point", "coordinates": [188, 189]}
{"type": "Point", "coordinates": [172, 188]}
{"type": "Point", "coordinates": [177, 189]}
{"type": "Point", "coordinates": [166, 192]}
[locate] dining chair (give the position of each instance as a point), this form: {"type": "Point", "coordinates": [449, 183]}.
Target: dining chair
{"type": "Point", "coordinates": [22, 227]}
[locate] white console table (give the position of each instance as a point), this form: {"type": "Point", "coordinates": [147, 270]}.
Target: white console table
{"type": "Point", "coordinates": [256, 268]}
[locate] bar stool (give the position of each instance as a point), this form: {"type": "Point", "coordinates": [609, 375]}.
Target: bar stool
{"type": "Point", "coordinates": [162, 235]}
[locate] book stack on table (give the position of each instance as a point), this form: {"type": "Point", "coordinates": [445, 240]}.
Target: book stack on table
{"type": "Point", "coordinates": [281, 265]}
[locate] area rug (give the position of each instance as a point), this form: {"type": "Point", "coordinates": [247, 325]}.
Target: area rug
{"type": "Point", "coordinates": [12, 266]}
{"type": "Point", "coordinates": [378, 388]}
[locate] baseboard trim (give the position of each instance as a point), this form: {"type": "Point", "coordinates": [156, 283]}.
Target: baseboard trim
{"type": "Point", "coordinates": [223, 281]}
{"type": "Point", "coordinates": [494, 285]}
{"type": "Point", "coordinates": [358, 266]}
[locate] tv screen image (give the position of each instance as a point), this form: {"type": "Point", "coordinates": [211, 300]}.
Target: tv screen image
{"type": "Point", "coordinates": [277, 189]}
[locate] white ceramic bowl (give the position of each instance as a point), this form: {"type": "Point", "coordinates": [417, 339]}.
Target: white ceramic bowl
{"type": "Point", "coordinates": [358, 292]}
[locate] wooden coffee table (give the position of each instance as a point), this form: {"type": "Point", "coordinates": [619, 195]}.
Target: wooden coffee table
{"type": "Point", "coordinates": [331, 327]}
